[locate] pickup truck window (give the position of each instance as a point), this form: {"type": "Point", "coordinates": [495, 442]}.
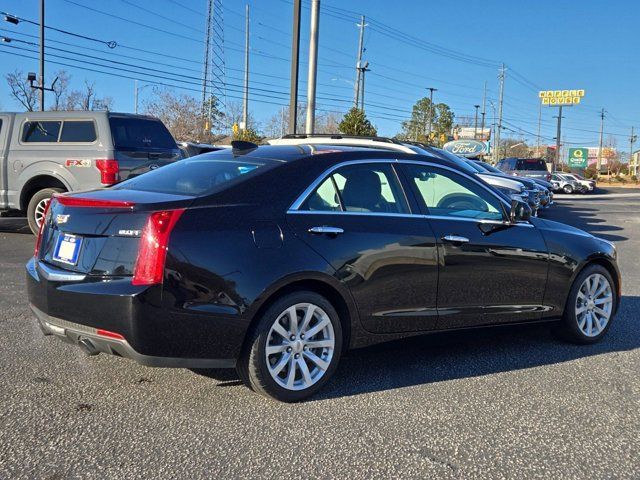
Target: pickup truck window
{"type": "Point", "coordinates": [78, 131]}
{"type": "Point", "coordinates": [47, 132]}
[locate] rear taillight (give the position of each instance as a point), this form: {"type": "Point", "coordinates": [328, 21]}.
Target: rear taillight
{"type": "Point", "coordinates": [108, 171]}
{"type": "Point", "coordinates": [149, 268]}
{"type": "Point", "coordinates": [36, 250]}
{"type": "Point", "coordinates": [69, 201]}
{"type": "Point", "coordinates": [548, 177]}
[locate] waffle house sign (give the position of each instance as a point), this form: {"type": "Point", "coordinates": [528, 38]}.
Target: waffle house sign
{"type": "Point", "coordinates": [558, 98]}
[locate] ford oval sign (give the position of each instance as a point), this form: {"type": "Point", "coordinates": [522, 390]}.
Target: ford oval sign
{"type": "Point", "coordinates": [466, 148]}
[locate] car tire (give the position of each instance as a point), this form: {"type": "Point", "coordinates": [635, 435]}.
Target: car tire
{"type": "Point", "coordinates": [582, 324]}
{"type": "Point", "coordinates": [567, 189]}
{"type": "Point", "coordinates": [36, 206]}
{"type": "Point", "coordinates": [294, 369]}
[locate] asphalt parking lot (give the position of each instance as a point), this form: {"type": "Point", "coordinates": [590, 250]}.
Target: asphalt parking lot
{"type": "Point", "coordinates": [498, 403]}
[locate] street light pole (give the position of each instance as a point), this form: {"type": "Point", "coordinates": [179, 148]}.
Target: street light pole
{"type": "Point", "coordinates": [295, 58]}
{"type": "Point", "coordinates": [313, 66]}
{"type": "Point", "coordinates": [632, 140]}
{"type": "Point", "coordinates": [599, 163]}
{"type": "Point", "coordinates": [475, 123]}
{"type": "Point", "coordinates": [431, 90]}
{"type": "Point", "coordinates": [245, 100]}
{"type": "Point", "coordinates": [558, 132]}
{"type": "Point", "coordinates": [42, 55]}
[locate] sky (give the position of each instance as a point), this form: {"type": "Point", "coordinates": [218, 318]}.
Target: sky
{"type": "Point", "coordinates": [410, 44]}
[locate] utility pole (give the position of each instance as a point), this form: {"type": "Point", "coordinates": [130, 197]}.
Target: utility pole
{"type": "Point", "coordinates": [539, 126]}
{"type": "Point", "coordinates": [135, 96]}
{"type": "Point", "coordinates": [359, 62]}
{"type": "Point", "coordinates": [599, 163]}
{"type": "Point", "coordinates": [429, 120]}
{"type": "Point", "coordinates": [558, 133]}
{"type": "Point", "coordinates": [295, 61]}
{"type": "Point", "coordinates": [42, 55]}
{"type": "Point", "coordinates": [245, 101]}
{"type": "Point", "coordinates": [484, 109]}
{"type": "Point", "coordinates": [364, 69]}
{"type": "Point", "coordinates": [632, 140]}
{"type": "Point", "coordinates": [500, 102]}
{"type": "Point", "coordinates": [313, 66]}
{"type": "Point", "coordinates": [282, 129]}
{"type": "Point", "coordinates": [475, 123]}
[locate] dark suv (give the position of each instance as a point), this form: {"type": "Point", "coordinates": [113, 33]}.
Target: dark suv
{"type": "Point", "coordinates": [525, 167]}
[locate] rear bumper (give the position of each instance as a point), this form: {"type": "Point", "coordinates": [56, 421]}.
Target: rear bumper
{"type": "Point", "coordinates": [92, 343]}
{"type": "Point", "coordinates": [155, 331]}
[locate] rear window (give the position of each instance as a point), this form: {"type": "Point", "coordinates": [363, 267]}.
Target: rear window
{"type": "Point", "coordinates": [531, 164]}
{"type": "Point", "coordinates": [140, 133]}
{"type": "Point", "coordinates": [82, 131]}
{"type": "Point", "coordinates": [196, 176]}
{"type": "Point", "coordinates": [41, 132]}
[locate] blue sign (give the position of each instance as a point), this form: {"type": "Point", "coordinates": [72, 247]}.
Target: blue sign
{"type": "Point", "coordinates": [466, 148]}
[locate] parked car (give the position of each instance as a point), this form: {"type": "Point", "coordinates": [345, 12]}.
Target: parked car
{"type": "Point", "coordinates": [588, 185]}
{"type": "Point", "coordinates": [544, 194]}
{"type": "Point", "coordinates": [525, 167]}
{"type": "Point", "coordinates": [191, 149]}
{"type": "Point", "coordinates": [277, 259]}
{"type": "Point", "coordinates": [43, 153]}
{"type": "Point", "coordinates": [567, 184]}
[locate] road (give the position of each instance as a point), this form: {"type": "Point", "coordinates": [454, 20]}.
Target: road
{"type": "Point", "coordinates": [498, 403]}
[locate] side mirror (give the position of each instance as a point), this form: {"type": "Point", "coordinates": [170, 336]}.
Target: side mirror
{"type": "Point", "coordinates": [520, 212]}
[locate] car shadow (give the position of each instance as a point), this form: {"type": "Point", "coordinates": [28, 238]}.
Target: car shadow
{"type": "Point", "coordinates": [446, 356]}
{"type": "Point", "coordinates": [14, 225]}
{"type": "Point", "coordinates": [585, 218]}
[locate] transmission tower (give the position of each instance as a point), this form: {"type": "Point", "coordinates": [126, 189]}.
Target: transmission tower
{"type": "Point", "coordinates": [214, 70]}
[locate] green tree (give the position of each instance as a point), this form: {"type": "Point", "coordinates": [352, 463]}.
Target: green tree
{"type": "Point", "coordinates": [423, 112]}
{"type": "Point", "coordinates": [355, 122]}
{"type": "Point", "coordinates": [248, 135]}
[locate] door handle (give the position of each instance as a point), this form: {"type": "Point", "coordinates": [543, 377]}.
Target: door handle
{"type": "Point", "coordinates": [326, 230]}
{"type": "Point", "coordinates": [455, 239]}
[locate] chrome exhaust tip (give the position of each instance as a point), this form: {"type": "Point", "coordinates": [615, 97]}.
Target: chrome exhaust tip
{"type": "Point", "coordinates": [88, 347]}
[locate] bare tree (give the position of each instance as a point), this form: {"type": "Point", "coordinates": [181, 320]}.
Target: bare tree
{"type": "Point", "coordinates": [87, 99]}
{"type": "Point", "coordinates": [182, 114]}
{"type": "Point", "coordinates": [233, 115]}
{"type": "Point", "coordinates": [21, 89]}
{"type": "Point", "coordinates": [60, 89]}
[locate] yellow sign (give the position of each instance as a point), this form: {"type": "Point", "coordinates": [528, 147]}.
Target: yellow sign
{"type": "Point", "coordinates": [557, 98]}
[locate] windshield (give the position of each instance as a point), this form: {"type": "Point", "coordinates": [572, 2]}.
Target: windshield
{"type": "Point", "coordinates": [475, 166]}
{"type": "Point", "coordinates": [200, 175]}
{"type": "Point", "coordinates": [459, 162]}
{"type": "Point", "coordinates": [490, 168]}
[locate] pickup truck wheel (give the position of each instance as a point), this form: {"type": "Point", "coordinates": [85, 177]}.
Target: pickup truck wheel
{"type": "Point", "coordinates": [37, 206]}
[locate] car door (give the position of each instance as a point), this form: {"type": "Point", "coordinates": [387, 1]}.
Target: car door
{"type": "Point", "coordinates": [491, 271]}
{"type": "Point", "coordinates": [358, 218]}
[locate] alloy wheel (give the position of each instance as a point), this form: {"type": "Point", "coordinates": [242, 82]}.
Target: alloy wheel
{"type": "Point", "coordinates": [594, 305]}
{"type": "Point", "coordinates": [300, 346]}
{"type": "Point", "coordinates": [41, 208]}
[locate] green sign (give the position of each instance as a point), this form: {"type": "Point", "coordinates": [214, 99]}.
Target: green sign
{"type": "Point", "coordinates": [578, 157]}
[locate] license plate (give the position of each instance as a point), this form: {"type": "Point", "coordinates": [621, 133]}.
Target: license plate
{"type": "Point", "coordinates": [67, 248]}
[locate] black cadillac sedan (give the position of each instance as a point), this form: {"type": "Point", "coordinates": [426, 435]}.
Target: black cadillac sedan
{"type": "Point", "coordinates": [276, 259]}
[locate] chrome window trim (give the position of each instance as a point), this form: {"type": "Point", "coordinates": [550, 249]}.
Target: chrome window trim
{"type": "Point", "coordinates": [411, 215]}
{"type": "Point", "coordinates": [295, 206]}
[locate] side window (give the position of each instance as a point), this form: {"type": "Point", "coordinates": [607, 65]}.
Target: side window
{"type": "Point", "coordinates": [367, 188]}
{"type": "Point", "coordinates": [78, 131]}
{"type": "Point", "coordinates": [449, 194]}
{"type": "Point", "coordinates": [41, 131]}
{"type": "Point", "coordinates": [325, 198]}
